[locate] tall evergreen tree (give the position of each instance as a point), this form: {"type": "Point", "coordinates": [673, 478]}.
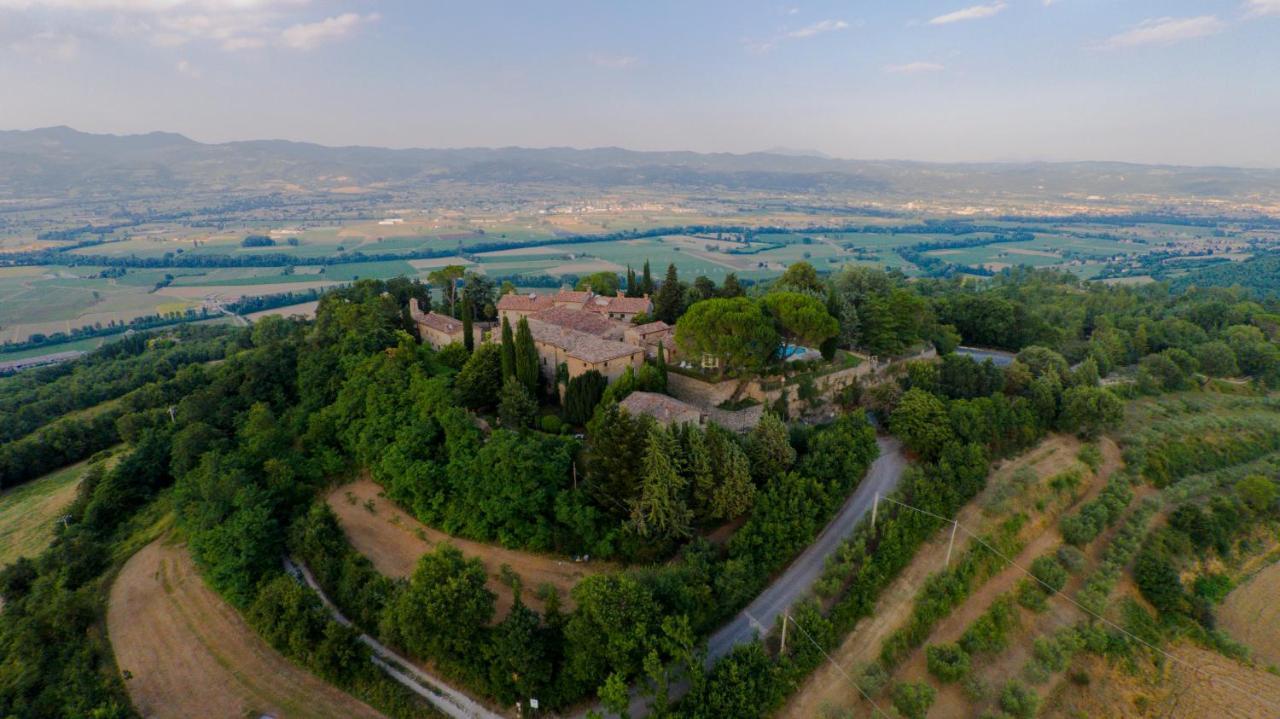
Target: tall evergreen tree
{"type": "Point", "coordinates": [516, 405]}
{"type": "Point", "coordinates": [660, 510]}
{"type": "Point", "coordinates": [468, 341]}
{"type": "Point", "coordinates": [526, 359]}
{"type": "Point", "coordinates": [633, 290]}
{"type": "Point", "coordinates": [769, 449]}
{"type": "Point", "coordinates": [732, 491]}
{"type": "Point", "coordinates": [646, 284]}
{"type": "Point", "coordinates": [508, 351]}
{"type": "Point", "coordinates": [614, 454]}
{"type": "Point", "coordinates": [667, 304]}
{"type": "Point", "coordinates": [730, 287]}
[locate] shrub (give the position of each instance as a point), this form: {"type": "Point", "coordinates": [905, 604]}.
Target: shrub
{"type": "Point", "coordinates": [1019, 700]}
{"type": "Point", "coordinates": [1091, 456]}
{"type": "Point", "coordinates": [550, 424]}
{"type": "Point", "coordinates": [913, 699]}
{"type": "Point", "coordinates": [947, 662]}
{"type": "Point", "coordinates": [990, 632]}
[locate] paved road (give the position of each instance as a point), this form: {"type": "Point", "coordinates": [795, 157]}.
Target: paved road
{"type": "Point", "coordinates": [794, 584]}
{"type": "Point", "coordinates": [791, 586]}
{"type": "Point", "coordinates": [999, 357]}
{"type": "Point", "coordinates": [451, 701]}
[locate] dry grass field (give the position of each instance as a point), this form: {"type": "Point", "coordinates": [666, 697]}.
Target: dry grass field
{"type": "Point", "coordinates": [1251, 614]}
{"type": "Point", "coordinates": [1196, 684]}
{"type": "Point", "coordinates": [185, 653]}
{"type": "Point", "coordinates": [393, 540]}
{"type": "Point", "coordinates": [29, 511]}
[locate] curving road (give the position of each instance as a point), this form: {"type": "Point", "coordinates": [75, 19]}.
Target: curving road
{"type": "Point", "coordinates": [788, 588]}
{"type": "Point", "coordinates": [794, 584]}
{"type": "Point", "coordinates": [452, 702]}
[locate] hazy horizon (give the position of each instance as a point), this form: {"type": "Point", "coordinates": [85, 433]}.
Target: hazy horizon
{"type": "Point", "coordinates": [1174, 82]}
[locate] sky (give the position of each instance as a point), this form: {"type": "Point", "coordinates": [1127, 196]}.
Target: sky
{"type": "Point", "coordinates": [1161, 81]}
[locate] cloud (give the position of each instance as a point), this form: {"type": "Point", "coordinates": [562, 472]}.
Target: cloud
{"type": "Point", "coordinates": [229, 24]}
{"type": "Point", "coordinates": [1258, 8]}
{"type": "Point", "coordinates": [48, 45]}
{"type": "Point", "coordinates": [1167, 31]}
{"type": "Point", "coordinates": [808, 31]}
{"type": "Point", "coordinates": [148, 6]}
{"type": "Point", "coordinates": [308, 35]}
{"type": "Point", "coordinates": [615, 62]}
{"type": "Point", "coordinates": [914, 68]}
{"type": "Point", "coordinates": [818, 28]}
{"type": "Point", "coordinates": [186, 69]}
{"type": "Point", "coordinates": [975, 12]}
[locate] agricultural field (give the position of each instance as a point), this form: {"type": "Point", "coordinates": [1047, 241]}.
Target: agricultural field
{"type": "Point", "coordinates": [29, 512]}
{"type": "Point", "coordinates": [42, 300]}
{"type": "Point", "coordinates": [185, 652]}
{"type": "Point", "coordinates": [52, 298]}
{"type": "Point", "coordinates": [1023, 486]}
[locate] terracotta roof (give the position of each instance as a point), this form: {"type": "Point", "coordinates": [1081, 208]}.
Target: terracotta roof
{"type": "Point", "coordinates": [659, 406]}
{"type": "Point", "coordinates": [573, 296]}
{"type": "Point", "coordinates": [580, 345]}
{"type": "Point", "coordinates": [523, 303]}
{"type": "Point", "coordinates": [581, 320]}
{"type": "Point", "coordinates": [440, 323]}
{"type": "Point", "coordinates": [623, 305]}
{"type": "Point", "coordinates": [650, 327]}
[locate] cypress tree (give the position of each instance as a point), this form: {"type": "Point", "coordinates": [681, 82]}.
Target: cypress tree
{"type": "Point", "coordinates": [526, 358]}
{"type": "Point", "coordinates": [632, 289]}
{"type": "Point", "coordinates": [730, 286]}
{"type": "Point", "coordinates": [468, 341]}
{"type": "Point", "coordinates": [646, 285]}
{"type": "Point", "coordinates": [508, 351]}
{"type": "Point", "coordinates": [666, 306]}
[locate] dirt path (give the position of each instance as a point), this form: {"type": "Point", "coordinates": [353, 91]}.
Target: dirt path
{"type": "Point", "coordinates": [185, 652]}
{"type": "Point", "coordinates": [828, 687]}
{"type": "Point", "coordinates": [393, 540]}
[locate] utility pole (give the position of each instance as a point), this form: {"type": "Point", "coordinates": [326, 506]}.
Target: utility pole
{"type": "Point", "coordinates": [783, 649]}
{"type": "Point", "coordinates": [954, 526]}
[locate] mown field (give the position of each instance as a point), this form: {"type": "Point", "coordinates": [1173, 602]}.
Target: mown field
{"type": "Point", "coordinates": [28, 512]}
{"type": "Point", "coordinates": [185, 652]}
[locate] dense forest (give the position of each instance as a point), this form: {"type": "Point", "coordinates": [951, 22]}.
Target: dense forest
{"type": "Point", "coordinates": [473, 441]}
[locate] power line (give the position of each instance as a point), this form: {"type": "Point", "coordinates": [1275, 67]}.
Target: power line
{"type": "Point", "coordinates": [1088, 611]}
{"type": "Point", "coordinates": [875, 707]}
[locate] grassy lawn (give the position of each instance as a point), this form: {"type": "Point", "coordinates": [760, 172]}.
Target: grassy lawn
{"type": "Point", "coordinates": [29, 512]}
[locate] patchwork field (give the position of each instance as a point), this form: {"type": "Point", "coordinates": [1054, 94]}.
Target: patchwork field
{"type": "Point", "coordinates": [50, 299]}
{"type": "Point", "coordinates": [29, 512]}
{"type": "Point", "coordinates": [185, 653]}
{"type": "Point", "coordinates": [393, 540]}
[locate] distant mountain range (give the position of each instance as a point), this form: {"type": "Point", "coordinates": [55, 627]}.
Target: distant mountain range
{"type": "Point", "coordinates": [63, 163]}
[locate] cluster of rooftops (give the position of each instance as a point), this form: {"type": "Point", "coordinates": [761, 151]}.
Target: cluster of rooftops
{"type": "Point", "coordinates": [593, 329]}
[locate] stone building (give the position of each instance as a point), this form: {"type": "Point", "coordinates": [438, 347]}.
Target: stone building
{"type": "Point", "coordinates": [439, 330]}
{"type": "Point", "coordinates": [663, 409]}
